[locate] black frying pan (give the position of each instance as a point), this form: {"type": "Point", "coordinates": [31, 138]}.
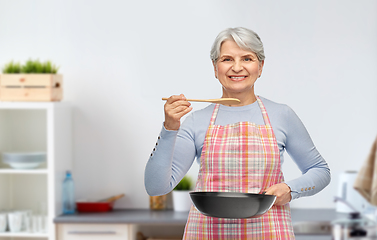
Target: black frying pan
{"type": "Point", "coordinates": [232, 204]}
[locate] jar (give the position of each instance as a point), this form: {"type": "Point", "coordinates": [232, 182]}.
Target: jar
{"type": "Point", "coordinates": [157, 202]}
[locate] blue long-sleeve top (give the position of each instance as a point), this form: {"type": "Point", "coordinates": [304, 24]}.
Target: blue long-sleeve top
{"type": "Point", "coordinates": [175, 151]}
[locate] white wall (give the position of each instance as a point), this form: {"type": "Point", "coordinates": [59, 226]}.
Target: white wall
{"type": "Point", "coordinates": [120, 57]}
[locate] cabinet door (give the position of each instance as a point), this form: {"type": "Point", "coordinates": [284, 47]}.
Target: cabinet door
{"type": "Point", "coordinates": [92, 231]}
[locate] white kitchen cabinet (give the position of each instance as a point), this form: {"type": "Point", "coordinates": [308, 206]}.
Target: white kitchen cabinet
{"type": "Point", "coordinates": [152, 224]}
{"type": "Point", "coordinates": [117, 231]}
{"type": "Point", "coordinates": [35, 127]}
{"type": "Point", "coordinates": [93, 232]}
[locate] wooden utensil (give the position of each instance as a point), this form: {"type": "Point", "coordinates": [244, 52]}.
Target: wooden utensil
{"type": "Point", "coordinates": [112, 199]}
{"type": "Point", "coordinates": [226, 101]}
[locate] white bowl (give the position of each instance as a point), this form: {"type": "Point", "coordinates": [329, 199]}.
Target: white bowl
{"type": "Point", "coordinates": [23, 165]}
{"type": "Point", "coordinates": [24, 160]}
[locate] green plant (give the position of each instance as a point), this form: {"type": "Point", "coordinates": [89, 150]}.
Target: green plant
{"type": "Point", "coordinates": [12, 67]}
{"type": "Point", "coordinates": [185, 184]}
{"type": "Point", "coordinates": [31, 66]}
{"type": "Point", "coordinates": [50, 68]}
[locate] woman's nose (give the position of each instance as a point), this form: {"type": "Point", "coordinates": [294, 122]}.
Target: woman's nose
{"type": "Point", "coordinates": [237, 66]}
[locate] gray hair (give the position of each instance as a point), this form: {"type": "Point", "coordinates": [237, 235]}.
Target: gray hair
{"type": "Point", "coordinates": [245, 39]}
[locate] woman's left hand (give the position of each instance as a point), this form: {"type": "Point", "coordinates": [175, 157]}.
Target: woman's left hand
{"type": "Point", "coordinates": [282, 193]}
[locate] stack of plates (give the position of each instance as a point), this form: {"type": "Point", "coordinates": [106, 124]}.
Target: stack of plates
{"type": "Point", "coordinates": [23, 160]}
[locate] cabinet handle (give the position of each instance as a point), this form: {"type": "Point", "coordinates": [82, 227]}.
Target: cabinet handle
{"type": "Point", "coordinates": [92, 232]}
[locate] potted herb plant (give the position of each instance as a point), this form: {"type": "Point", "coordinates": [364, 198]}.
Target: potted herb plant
{"type": "Point", "coordinates": [32, 81]}
{"type": "Point", "coordinates": [181, 197]}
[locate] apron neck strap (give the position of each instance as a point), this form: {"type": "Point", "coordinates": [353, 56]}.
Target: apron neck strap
{"type": "Point", "coordinates": [264, 112]}
{"type": "Point", "coordinates": [261, 106]}
{"type": "Point", "coordinates": [214, 114]}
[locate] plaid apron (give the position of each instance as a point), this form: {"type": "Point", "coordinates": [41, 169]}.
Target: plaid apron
{"type": "Point", "coordinates": [240, 157]}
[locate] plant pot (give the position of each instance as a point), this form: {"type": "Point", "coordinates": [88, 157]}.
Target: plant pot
{"type": "Point", "coordinates": [181, 200]}
{"type": "Point", "coordinates": [31, 87]}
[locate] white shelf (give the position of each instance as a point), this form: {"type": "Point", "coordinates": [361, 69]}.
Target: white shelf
{"type": "Point", "coordinates": [24, 235]}
{"type": "Point", "coordinates": [16, 171]}
{"type": "Point", "coordinates": [28, 127]}
{"type": "Point", "coordinates": [30, 105]}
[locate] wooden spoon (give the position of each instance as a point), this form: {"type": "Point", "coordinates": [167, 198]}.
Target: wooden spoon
{"type": "Point", "coordinates": [113, 198]}
{"type": "Point", "coordinates": [226, 101]}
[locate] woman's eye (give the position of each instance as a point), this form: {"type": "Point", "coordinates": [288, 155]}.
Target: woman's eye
{"type": "Point", "coordinates": [248, 59]}
{"type": "Point", "coordinates": [226, 59]}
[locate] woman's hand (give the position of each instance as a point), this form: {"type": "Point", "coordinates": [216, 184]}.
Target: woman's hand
{"type": "Point", "coordinates": [282, 193]}
{"type": "Point", "coordinates": [175, 108]}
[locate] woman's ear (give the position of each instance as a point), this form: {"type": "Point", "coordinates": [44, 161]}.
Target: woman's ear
{"type": "Point", "coordinates": [261, 64]}
{"type": "Point", "coordinates": [214, 68]}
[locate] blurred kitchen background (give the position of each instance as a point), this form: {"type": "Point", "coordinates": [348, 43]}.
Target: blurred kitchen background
{"type": "Point", "coordinates": [119, 58]}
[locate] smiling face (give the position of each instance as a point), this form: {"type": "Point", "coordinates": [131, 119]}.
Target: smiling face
{"type": "Point", "coordinates": [237, 70]}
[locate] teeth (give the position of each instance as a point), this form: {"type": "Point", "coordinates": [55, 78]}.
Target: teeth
{"type": "Point", "coordinates": [237, 77]}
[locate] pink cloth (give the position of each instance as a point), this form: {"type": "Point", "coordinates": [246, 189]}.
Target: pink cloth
{"type": "Point", "coordinates": [241, 157]}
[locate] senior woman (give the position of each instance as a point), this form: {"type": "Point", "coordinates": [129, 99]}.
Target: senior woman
{"type": "Point", "coordinates": [239, 148]}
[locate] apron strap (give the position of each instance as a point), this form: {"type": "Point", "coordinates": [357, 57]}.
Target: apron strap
{"type": "Point", "coordinates": [264, 112]}
{"type": "Point", "coordinates": [261, 106]}
{"type": "Point", "coordinates": [214, 114]}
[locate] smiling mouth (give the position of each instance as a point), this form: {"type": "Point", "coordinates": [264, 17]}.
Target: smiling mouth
{"type": "Point", "coordinates": [237, 78]}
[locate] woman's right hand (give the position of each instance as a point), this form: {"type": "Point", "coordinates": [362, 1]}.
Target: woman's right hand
{"type": "Point", "coordinates": [175, 108]}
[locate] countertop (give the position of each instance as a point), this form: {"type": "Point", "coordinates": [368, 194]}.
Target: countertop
{"type": "Point", "coordinates": [146, 216]}
{"type": "Point", "coordinates": [127, 216]}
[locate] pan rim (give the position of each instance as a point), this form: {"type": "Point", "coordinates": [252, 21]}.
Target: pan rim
{"type": "Point", "coordinates": [221, 194]}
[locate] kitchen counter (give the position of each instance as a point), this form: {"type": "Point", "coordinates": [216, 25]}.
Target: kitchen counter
{"type": "Point", "coordinates": [151, 222]}
{"type": "Point", "coordinates": [146, 216]}
{"type": "Point", "coordinates": [127, 216]}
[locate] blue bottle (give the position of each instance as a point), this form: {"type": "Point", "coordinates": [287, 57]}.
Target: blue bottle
{"type": "Point", "coordinates": [69, 204]}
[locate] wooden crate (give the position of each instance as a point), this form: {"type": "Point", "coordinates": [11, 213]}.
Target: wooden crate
{"type": "Point", "coordinates": [31, 87]}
